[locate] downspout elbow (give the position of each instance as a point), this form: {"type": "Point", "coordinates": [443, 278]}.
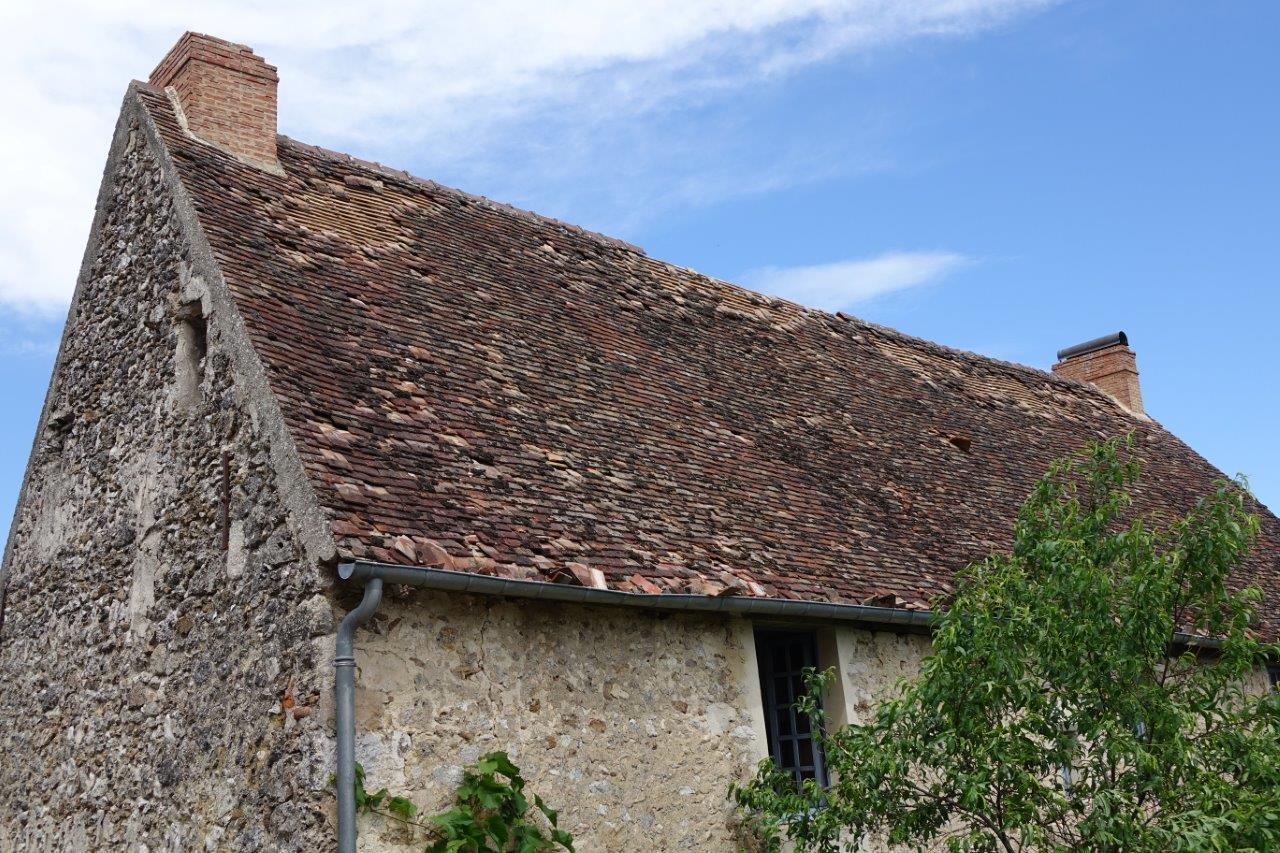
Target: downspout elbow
{"type": "Point", "coordinates": [344, 646]}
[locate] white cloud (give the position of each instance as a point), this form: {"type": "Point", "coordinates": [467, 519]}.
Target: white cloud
{"type": "Point", "coordinates": [462, 80]}
{"type": "Point", "coordinates": [30, 336]}
{"type": "Point", "coordinates": [838, 285]}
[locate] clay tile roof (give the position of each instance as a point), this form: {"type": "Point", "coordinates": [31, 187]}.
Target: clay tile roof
{"type": "Point", "coordinates": [481, 388]}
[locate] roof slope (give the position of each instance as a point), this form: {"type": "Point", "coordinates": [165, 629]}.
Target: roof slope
{"type": "Point", "coordinates": [481, 388]}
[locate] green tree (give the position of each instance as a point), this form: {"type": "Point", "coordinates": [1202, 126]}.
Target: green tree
{"type": "Point", "coordinates": [1059, 710]}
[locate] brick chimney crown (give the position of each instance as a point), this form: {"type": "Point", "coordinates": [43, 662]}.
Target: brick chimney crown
{"type": "Point", "coordinates": [1106, 363]}
{"type": "Point", "coordinates": [227, 94]}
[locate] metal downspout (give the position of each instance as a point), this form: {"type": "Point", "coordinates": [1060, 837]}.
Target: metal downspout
{"type": "Point", "coordinates": [344, 688]}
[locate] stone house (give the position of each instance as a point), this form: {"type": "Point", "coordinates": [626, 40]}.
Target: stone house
{"type": "Point", "coordinates": [610, 504]}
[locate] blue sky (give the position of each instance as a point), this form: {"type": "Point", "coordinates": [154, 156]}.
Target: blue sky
{"type": "Point", "coordinates": [1005, 176]}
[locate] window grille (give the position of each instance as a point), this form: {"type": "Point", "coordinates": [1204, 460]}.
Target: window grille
{"type": "Point", "coordinates": [783, 657]}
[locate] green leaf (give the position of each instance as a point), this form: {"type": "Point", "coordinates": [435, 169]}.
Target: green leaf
{"type": "Point", "coordinates": [497, 829]}
{"type": "Point", "coordinates": [488, 808]}
{"type": "Point", "coordinates": [403, 807]}
{"type": "Point", "coordinates": [551, 814]}
{"type": "Point", "coordinates": [502, 763]}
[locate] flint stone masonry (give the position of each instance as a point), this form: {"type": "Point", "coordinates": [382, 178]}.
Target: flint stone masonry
{"type": "Point", "coordinates": [631, 723]}
{"type": "Point", "coordinates": [147, 701]}
{"type": "Point", "coordinates": [868, 666]}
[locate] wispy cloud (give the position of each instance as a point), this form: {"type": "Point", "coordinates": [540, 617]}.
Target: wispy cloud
{"type": "Point", "coordinates": [503, 89]}
{"type": "Point", "coordinates": [841, 284]}
{"type": "Point", "coordinates": [29, 336]}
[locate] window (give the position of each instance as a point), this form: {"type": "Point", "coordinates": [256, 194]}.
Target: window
{"type": "Point", "coordinates": [783, 656]}
{"type": "Point", "coordinates": [1273, 673]}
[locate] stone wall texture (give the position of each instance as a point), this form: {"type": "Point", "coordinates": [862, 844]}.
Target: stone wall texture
{"type": "Point", "coordinates": [631, 723]}
{"type": "Point", "coordinates": [147, 700]}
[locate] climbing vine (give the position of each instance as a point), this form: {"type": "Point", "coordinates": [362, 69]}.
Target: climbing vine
{"type": "Point", "coordinates": [492, 813]}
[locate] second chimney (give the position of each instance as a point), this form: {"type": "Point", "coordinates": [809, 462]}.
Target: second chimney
{"type": "Point", "coordinates": [227, 94]}
{"type": "Point", "coordinates": [1106, 363]}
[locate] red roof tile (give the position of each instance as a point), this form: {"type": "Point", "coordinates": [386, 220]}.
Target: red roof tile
{"type": "Point", "coordinates": [481, 388]}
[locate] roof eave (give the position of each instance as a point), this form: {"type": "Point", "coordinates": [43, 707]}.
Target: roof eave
{"type": "Point", "coordinates": [859, 615]}
{"type": "Point", "coordinates": [898, 618]}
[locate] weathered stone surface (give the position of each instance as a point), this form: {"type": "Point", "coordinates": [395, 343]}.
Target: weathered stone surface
{"type": "Point", "coordinates": [869, 665]}
{"type": "Point", "coordinates": [632, 723]}
{"type": "Point", "coordinates": [140, 685]}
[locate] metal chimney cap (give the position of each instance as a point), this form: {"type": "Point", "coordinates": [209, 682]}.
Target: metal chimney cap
{"type": "Point", "coordinates": [1094, 345]}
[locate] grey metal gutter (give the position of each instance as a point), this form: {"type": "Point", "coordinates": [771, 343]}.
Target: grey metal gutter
{"type": "Point", "coordinates": [1196, 641]}
{"type": "Point", "coordinates": [374, 575]}
{"type": "Point", "coordinates": [442, 579]}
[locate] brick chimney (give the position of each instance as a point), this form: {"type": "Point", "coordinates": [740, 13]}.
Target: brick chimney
{"type": "Point", "coordinates": [227, 95]}
{"type": "Point", "coordinates": [1107, 363]}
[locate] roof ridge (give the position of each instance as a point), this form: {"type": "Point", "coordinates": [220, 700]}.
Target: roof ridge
{"type": "Point", "coordinates": [404, 175]}
{"type": "Point", "coordinates": [971, 356]}
{"type": "Point", "coordinates": [771, 300]}
{"type": "Point", "coordinates": [977, 358]}
{"type": "Point", "coordinates": [810, 313]}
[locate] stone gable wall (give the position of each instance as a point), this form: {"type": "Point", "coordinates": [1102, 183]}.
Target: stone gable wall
{"type": "Point", "coordinates": [160, 655]}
